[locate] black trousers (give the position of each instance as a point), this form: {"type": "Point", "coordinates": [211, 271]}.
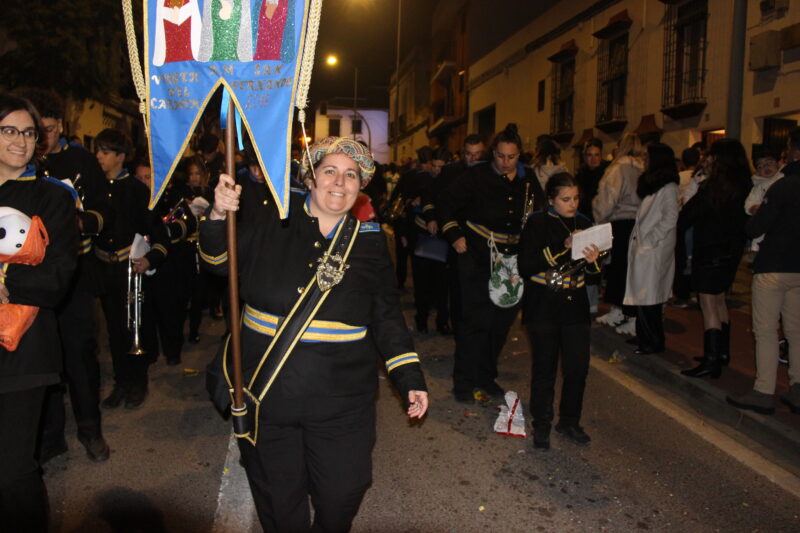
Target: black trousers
{"type": "Point", "coordinates": [401, 257]}
{"type": "Point", "coordinates": [430, 289]}
{"type": "Point", "coordinates": [617, 270]}
{"type": "Point", "coordinates": [76, 326]}
{"type": "Point", "coordinates": [171, 293]}
{"type": "Point", "coordinates": [129, 370]}
{"type": "Point", "coordinates": [454, 289]}
{"type": "Point", "coordinates": [483, 330]}
{"type": "Point", "coordinates": [320, 447]}
{"type": "Point", "coordinates": [23, 496]}
{"type": "Point", "coordinates": [650, 326]}
{"type": "Point", "coordinates": [571, 342]}
{"type": "Point", "coordinates": [199, 300]}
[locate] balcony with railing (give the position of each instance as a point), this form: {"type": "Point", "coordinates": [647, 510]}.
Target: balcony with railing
{"type": "Point", "coordinates": [685, 59]}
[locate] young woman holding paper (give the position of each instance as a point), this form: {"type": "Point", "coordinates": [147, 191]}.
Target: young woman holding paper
{"type": "Point", "coordinates": [557, 317]}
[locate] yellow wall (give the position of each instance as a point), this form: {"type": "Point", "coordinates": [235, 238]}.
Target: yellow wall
{"type": "Point", "coordinates": [514, 90]}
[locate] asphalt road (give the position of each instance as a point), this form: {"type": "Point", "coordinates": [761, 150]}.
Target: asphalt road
{"type": "Point", "coordinates": [644, 470]}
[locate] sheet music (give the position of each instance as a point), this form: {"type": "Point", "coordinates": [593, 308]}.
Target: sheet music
{"type": "Point", "coordinates": [598, 235]}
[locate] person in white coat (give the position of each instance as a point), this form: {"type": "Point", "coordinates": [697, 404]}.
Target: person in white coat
{"type": "Point", "coordinates": [651, 253]}
{"type": "Point", "coordinates": [616, 202]}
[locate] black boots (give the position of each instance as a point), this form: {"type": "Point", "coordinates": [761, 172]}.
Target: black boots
{"type": "Point", "coordinates": [725, 344]}
{"type": "Point", "coordinates": [725, 350]}
{"type": "Point", "coordinates": [541, 436]}
{"type": "Point", "coordinates": [711, 365]}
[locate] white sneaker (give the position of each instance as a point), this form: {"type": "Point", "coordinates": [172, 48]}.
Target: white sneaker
{"type": "Point", "coordinates": [627, 328]}
{"type": "Point", "coordinates": [612, 318]}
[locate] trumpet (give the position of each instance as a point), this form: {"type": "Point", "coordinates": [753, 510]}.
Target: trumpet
{"type": "Point", "coordinates": [135, 297]}
{"type": "Point", "coordinates": [181, 210]}
{"type": "Point", "coordinates": [555, 277]}
{"type": "Point", "coordinates": [397, 209]}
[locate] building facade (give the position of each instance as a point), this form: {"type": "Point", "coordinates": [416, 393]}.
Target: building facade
{"type": "Point", "coordinates": [371, 126]}
{"type": "Point", "coordinates": [601, 68]}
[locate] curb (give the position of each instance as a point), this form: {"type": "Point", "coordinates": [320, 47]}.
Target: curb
{"type": "Point", "coordinates": [780, 440]}
{"type": "Point", "coordinates": [235, 508]}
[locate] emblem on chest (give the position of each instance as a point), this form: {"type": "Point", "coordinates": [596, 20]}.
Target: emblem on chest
{"type": "Point", "coordinates": [330, 271]}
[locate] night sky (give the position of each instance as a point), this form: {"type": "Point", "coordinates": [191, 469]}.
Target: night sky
{"type": "Point", "coordinates": [361, 33]}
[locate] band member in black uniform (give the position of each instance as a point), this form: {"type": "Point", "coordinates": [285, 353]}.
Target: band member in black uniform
{"type": "Point", "coordinates": [402, 224]}
{"type": "Point", "coordinates": [472, 154]}
{"type": "Point", "coordinates": [429, 273]}
{"type": "Point", "coordinates": [64, 161]}
{"type": "Point", "coordinates": [490, 199]}
{"type": "Point", "coordinates": [316, 427]}
{"type": "Point", "coordinates": [197, 179]}
{"type": "Point", "coordinates": [35, 363]}
{"type": "Point", "coordinates": [557, 317]}
{"type": "Point", "coordinates": [129, 199]}
{"type": "Point", "coordinates": [172, 282]}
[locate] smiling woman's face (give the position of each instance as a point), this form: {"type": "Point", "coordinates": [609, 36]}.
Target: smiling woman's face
{"type": "Point", "coordinates": [337, 184]}
{"type": "Point", "coordinates": [17, 151]}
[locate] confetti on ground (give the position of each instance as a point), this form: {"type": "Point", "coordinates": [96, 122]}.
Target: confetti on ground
{"type": "Point", "coordinates": [481, 508]}
{"type": "Point", "coordinates": [190, 372]}
{"type": "Point", "coordinates": [615, 357]}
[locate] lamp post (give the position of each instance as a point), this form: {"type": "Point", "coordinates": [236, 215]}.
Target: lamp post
{"type": "Point", "coordinates": [332, 60]}
{"type": "Point", "coordinates": [397, 81]}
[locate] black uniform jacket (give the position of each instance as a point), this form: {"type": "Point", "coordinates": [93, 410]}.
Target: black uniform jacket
{"type": "Point", "coordinates": [277, 258]}
{"type": "Point", "coordinates": [81, 168]}
{"type": "Point", "coordinates": [776, 219]}
{"type": "Point", "coordinates": [37, 359]}
{"type": "Point", "coordinates": [541, 249]}
{"type": "Point", "coordinates": [488, 202]}
{"type": "Point", "coordinates": [129, 199]}
{"type": "Point", "coordinates": [438, 186]}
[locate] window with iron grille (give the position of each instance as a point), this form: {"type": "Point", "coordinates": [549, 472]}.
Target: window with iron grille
{"type": "Point", "coordinates": [685, 56]}
{"type": "Point", "coordinates": [563, 96]}
{"type": "Point", "coordinates": [612, 78]}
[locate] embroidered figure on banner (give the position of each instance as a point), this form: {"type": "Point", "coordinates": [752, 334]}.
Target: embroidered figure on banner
{"type": "Point", "coordinates": [178, 28]}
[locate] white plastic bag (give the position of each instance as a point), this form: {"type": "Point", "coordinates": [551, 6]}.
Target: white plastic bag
{"type": "Point", "coordinates": [510, 421]}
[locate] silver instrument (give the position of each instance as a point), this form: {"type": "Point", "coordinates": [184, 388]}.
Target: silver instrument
{"type": "Point", "coordinates": [135, 297]}
{"type": "Point", "coordinates": [527, 208]}
{"type": "Point", "coordinates": [555, 277]}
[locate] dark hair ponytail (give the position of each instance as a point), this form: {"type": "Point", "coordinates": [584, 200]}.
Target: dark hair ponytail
{"type": "Point", "coordinates": [508, 135]}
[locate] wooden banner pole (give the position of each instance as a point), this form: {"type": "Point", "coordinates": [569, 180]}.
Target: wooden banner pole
{"type": "Point", "coordinates": [233, 266]}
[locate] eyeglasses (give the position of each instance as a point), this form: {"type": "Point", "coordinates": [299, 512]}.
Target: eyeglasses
{"type": "Point", "coordinates": [10, 134]}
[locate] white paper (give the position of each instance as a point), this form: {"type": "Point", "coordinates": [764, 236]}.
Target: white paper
{"type": "Point", "coordinates": [139, 248]}
{"type": "Point", "coordinates": [598, 235]}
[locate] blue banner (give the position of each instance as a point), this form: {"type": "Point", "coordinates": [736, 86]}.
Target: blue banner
{"type": "Point", "coordinates": [253, 48]}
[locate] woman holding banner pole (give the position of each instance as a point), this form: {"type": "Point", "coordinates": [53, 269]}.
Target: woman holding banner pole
{"type": "Point", "coordinates": [320, 305]}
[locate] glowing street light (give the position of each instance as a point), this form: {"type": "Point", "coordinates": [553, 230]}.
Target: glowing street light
{"type": "Point", "coordinates": [332, 60]}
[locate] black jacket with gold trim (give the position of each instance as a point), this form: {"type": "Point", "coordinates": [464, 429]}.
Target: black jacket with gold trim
{"type": "Point", "coordinates": [482, 201]}
{"type": "Point", "coordinates": [81, 168]}
{"type": "Point", "coordinates": [129, 199]}
{"type": "Point", "coordinates": [541, 249]}
{"type": "Point", "coordinates": [37, 359]}
{"type": "Point", "coordinates": [277, 258]}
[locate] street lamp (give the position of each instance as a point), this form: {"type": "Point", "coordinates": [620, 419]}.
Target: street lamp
{"type": "Point", "coordinates": [332, 60]}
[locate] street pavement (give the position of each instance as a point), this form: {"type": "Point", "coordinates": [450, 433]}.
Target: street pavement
{"type": "Point", "coordinates": [658, 459]}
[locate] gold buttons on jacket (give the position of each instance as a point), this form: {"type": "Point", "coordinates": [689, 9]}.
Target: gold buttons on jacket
{"type": "Point", "coordinates": [317, 244]}
{"type": "Point", "coordinates": [311, 265]}
{"type": "Point", "coordinates": [510, 198]}
{"type": "Point", "coordinates": [300, 290]}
